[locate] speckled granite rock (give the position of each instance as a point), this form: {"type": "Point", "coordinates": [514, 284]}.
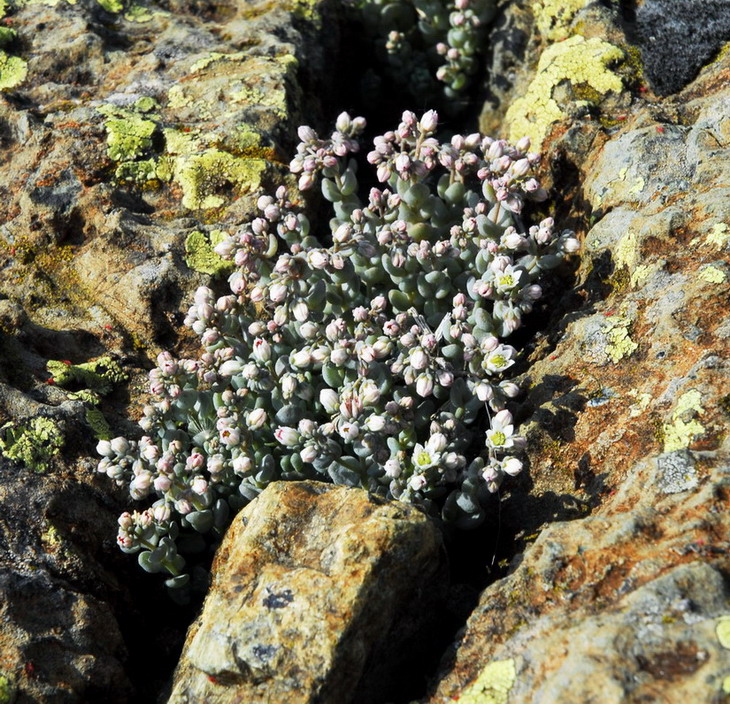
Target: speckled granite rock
{"type": "Point", "coordinates": [316, 592]}
{"type": "Point", "coordinates": [623, 599]}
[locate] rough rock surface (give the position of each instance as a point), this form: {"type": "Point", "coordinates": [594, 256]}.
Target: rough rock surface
{"type": "Point", "coordinates": [618, 592]}
{"type": "Point", "coordinates": [130, 133]}
{"type": "Point", "coordinates": [316, 591]}
{"type": "Point", "coordinates": [125, 129]}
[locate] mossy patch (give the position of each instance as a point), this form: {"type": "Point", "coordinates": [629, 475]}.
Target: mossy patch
{"type": "Point", "coordinates": [34, 442]}
{"type": "Point", "coordinates": [493, 684]}
{"type": "Point", "coordinates": [114, 6]}
{"type": "Point", "coordinates": [98, 375]}
{"type": "Point", "coordinates": [581, 62]}
{"type": "Point", "coordinates": [200, 255]}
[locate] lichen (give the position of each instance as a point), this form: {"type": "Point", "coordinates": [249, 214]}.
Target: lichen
{"type": "Point", "coordinates": [713, 274]}
{"type": "Point", "coordinates": [98, 375]}
{"type": "Point", "coordinates": [206, 61]}
{"type": "Point", "coordinates": [129, 135]}
{"type": "Point", "coordinates": [627, 250]}
{"type": "Point", "coordinates": [207, 178]}
{"type": "Point", "coordinates": [96, 379]}
{"type": "Point", "coordinates": [620, 344]}
{"type": "Point", "coordinates": [723, 631]}
{"type": "Point", "coordinates": [8, 690]}
{"type": "Point", "coordinates": [200, 255]}
{"type": "Point", "coordinates": [493, 684]}
{"type": "Point", "coordinates": [13, 70]}
{"type": "Point", "coordinates": [114, 6]}
{"type": "Point", "coordinates": [683, 427]}
{"type": "Point", "coordinates": [719, 235]}
{"type": "Point", "coordinates": [33, 443]}
{"type": "Point", "coordinates": [577, 60]}
{"type": "Point", "coordinates": [553, 17]}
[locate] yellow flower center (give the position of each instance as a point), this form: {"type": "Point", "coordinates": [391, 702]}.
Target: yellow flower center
{"type": "Point", "coordinates": [498, 438]}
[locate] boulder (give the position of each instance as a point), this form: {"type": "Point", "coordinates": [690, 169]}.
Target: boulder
{"type": "Point", "coordinates": [320, 594]}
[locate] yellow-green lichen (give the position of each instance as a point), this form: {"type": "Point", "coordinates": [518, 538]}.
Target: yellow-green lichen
{"type": "Point", "coordinates": [642, 273]}
{"type": "Point", "coordinates": [213, 57]}
{"type": "Point", "coordinates": [96, 379]}
{"type": "Point", "coordinates": [553, 17]}
{"type": "Point", "coordinates": [627, 251]}
{"type": "Point", "coordinates": [33, 443]}
{"type": "Point", "coordinates": [13, 70]}
{"type": "Point", "coordinates": [723, 631]}
{"type": "Point", "coordinates": [208, 179]}
{"type": "Point", "coordinates": [140, 13]}
{"type": "Point", "coordinates": [114, 6]}
{"type": "Point", "coordinates": [726, 685]}
{"type": "Point", "coordinates": [493, 684]}
{"type": "Point", "coordinates": [684, 427]}
{"type": "Point", "coordinates": [129, 135]}
{"type": "Point", "coordinates": [98, 375]}
{"type": "Point", "coordinates": [8, 691]}
{"type": "Point", "coordinates": [577, 60]}
{"type": "Point", "coordinates": [712, 274]}
{"type": "Point", "coordinates": [620, 344]}
{"type": "Point", "coordinates": [200, 255]}
{"type": "Point", "coordinates": [719, 235]}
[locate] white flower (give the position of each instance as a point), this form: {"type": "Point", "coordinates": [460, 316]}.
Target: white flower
{"type": "Point", "coordinates": [511, 466]}
{"type": "Point", "coordinates": [261, 350]}
{"type": "Point", "coordinates": [424, 385]}
{"type": "Point", "coordinates": [508, 279]}
{"type": "Point", "coordinates": [242, 464]}
{"type": "Point", "coordinates": [330, 400]}
{"type": "Point", "coordinates": [348, 430]}
{"type": "Point", "coordinates": [301, 358]}
{"type": "Point", "coordinates": [256, 418]}
{"type": "Point", "coordinates": [287, 436]}
{"type": "Point", "coordinates": [309, 453]}
{"type": "Point", "coordinates": [369, 392]}
{"type": "Point", "coordinates": [499, 359]}
{"type": "Point", "coordinates": [375, 423]}
{"type": "Point", "coordinates": [231, 367]}
{"type": "Point", "coordinates": [392, 468]}
{"type": "Point", "coordinates": [425, 456]}
{"type": "Point", "coordinates": [499, 436]}
{"type": "Point", "coordinates": [417, 482]}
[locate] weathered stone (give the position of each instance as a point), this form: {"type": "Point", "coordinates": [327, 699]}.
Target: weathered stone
{"type": "Point", "coordinates": [626, 419]}
{"type": "Point", "coordinates": [123, 128]}
{"type": "Point", "coordinates": [317, 591]}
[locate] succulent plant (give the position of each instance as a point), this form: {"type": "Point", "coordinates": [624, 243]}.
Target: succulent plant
{"type": "Point", "coordinates": [423, 39]}
{"type": "Point", "coordinates": [370, 355]}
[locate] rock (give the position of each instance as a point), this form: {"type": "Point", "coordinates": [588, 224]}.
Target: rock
{"type": "Point", "coordinates": [677, 37]}
{"type": "Point", "coordinates": [124, 128]}
{"type": "Point", "coordinates": [317, 591]}
{"type": "Point", "coordinates": [616, 591]}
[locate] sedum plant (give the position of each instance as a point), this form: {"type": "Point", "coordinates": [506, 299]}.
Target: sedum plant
{"type": "Point", "coordinates": [421, 39]}
{"type": "Point", "coordinates": [371, 355]}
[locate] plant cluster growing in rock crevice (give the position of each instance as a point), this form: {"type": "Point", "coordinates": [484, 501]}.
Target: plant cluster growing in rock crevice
{"type": "Point", "coordinates": [370, 355]}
